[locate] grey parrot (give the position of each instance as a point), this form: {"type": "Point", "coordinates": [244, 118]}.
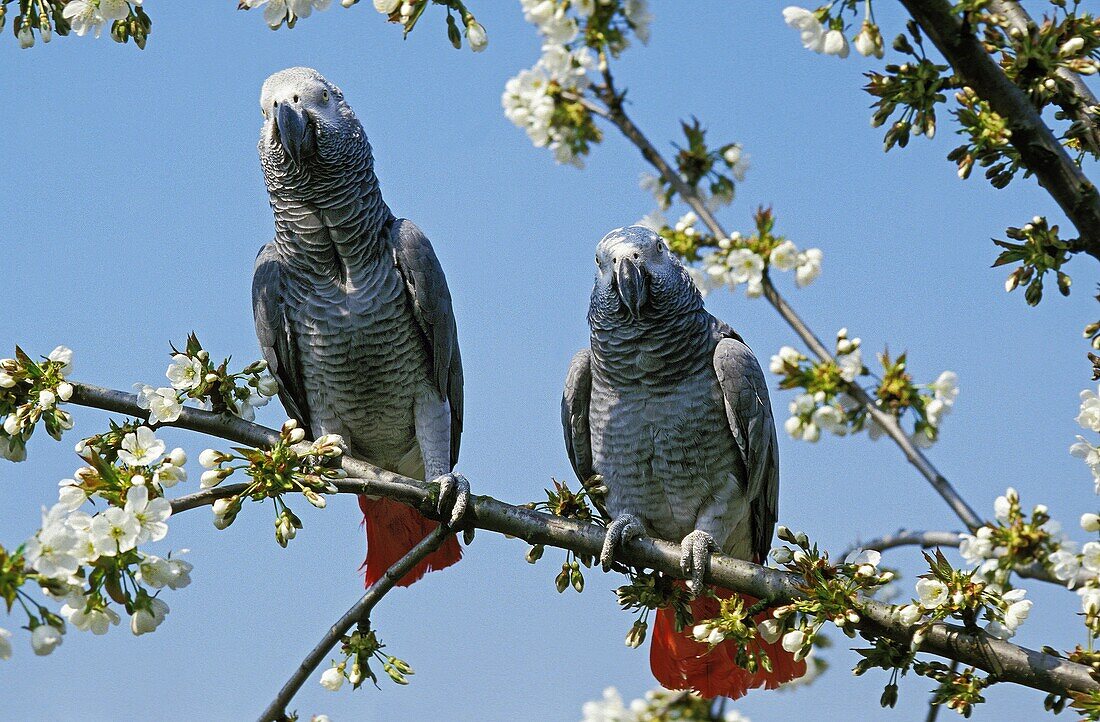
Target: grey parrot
{"type": "Point", "coordinates": [670, 409]}
{"type": "Point", "coordinates": [353, 313]}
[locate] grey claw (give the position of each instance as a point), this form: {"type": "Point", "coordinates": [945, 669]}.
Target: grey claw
{"type": "Point", "coordinates": [623, 529]}
{"type": "Point", "coordinates": [695, 551]}
{"type": "Point", "coordinates": [468, 535]}
{"type": "Point", "coordinates": [454, 494]}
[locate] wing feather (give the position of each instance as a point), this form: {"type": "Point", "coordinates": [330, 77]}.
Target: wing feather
{"type": "Point", "coordinates": [749, 412]}
{"type": "Point", "coordinates": [427, 290]}
{"type": "Point", "coordinates": [276, 337]}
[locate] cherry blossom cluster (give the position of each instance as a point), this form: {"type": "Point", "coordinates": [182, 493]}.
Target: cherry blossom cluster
{"type": "Point", "coordinates": [1041, 62]}
{"type": "Point", "coordinates": [358, 649]}
{"type": "Point", "coordinates": [30, 392]}
{"type": "Point", "coordinates": [43, 18]}
{"type": "Point", "coordinates": [1088, 418]}
{"type": "Point", "coordinates": [658, 705]}
{"type": "Point", "coordinates": [1018, 538]}
{"type": "Point", "coordinates": [831, 592]}
{"type": "Point", "coordinates": [193, 375]}
{"type": "Point", "coordinates": [824, 30]}
{"type": "Point", "coordinates": [826, 405]}
{"type": "Point", "coordinates": [545, 100]}
{"type": "Point", "coordinates": [404, 12]}
{"type": "Point", "coordinates": [86, 559]}
{"type": "Point", "coordinates": [949, 593]}
{"type": "Point", "coordinates": [291, 465]}
{"type": "Point", "coordinates": [739, 259]}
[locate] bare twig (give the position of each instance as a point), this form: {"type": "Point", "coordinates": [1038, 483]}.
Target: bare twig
{"type": "Point", "coordinates": [1039, 149]}
{"type": "Point", "coordinates": [359, 612]}
{"type": "Point", "coordinates": [613, 111]}
{"type": "Point", "coordinates": [1011, 663]}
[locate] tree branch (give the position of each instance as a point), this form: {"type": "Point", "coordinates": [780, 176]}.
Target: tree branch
{"type": "Point", "coordinates": [1077, 106]}
{"type": "Point", "coordinates": [359, 612]}
{"type": "Point", "coordinates": [1009, 662]}
{"type": "Point", "coordinates": [617, 116]}
{"type": "Point", "coordinates": [1039, 149]}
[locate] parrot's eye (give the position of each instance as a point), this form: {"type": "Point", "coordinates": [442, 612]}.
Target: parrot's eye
{"type": "Point", "coordinates": [324, 96]}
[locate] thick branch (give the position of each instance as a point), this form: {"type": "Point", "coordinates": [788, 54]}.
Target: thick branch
{"type": "Point", "coordinates": [1079, 103]}
{"type": "Point", "coordinates": [1009, 662]}
{"type": "Point", "coordinates": [1040, 150]}
{"type": "Point", "coordinates": [359, 612]}
{"type": "Point", "coordinates": [615, 114]}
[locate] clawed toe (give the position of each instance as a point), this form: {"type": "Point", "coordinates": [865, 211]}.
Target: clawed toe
{"type": "Point", "coordinates": [454, 499]}
{"type": "Point", "coordinates": [695, 551]}
{"type": "Point", "coordinates": [623, 529]}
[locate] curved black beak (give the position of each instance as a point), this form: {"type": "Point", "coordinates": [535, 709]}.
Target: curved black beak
{"type": "Point", "coordinates": [295, 132]}
{"type": "Point", "coordinates": [632, 283]}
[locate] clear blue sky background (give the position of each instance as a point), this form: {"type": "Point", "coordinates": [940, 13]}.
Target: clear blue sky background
{"type": "Point", "coordinates": [133, 208]}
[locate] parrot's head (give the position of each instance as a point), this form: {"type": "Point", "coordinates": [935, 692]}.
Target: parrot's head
{"type": "Point", "coordinates": [307, 123]}
{"type": "Point", "coordinates": [638, 278]}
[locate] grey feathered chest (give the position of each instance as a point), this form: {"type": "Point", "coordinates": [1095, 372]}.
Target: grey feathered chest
{"type": "Point", "coordinates": [363, 360]}
{"type": "Point", "coordinates": [659, 432]}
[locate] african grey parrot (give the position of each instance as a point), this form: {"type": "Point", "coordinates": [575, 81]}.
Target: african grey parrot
{"type": "Point", "coordinates": [670, 408]}
{"type": "Point", "coordinates": [353, 313]}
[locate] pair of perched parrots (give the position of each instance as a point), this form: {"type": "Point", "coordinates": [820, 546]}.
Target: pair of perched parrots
{"type": "Point", "coordinates": [668, 405]}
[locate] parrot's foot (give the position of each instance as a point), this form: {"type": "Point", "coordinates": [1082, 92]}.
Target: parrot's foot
{"type": "Point", "coordinates": [454, 498]}
{"type": "Point", "coordinates": [623, 529]}
{"type": "Point", "coordinates": [695, 551]}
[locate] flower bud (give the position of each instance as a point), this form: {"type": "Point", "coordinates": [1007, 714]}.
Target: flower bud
{"type": "Point", "coordinates": [64, 391]}
{"type": "Point", "coordinates": [1090, 522]}
{"type": "Point", "coordinates": [177, 457]}
{"type": "Point", "coordinates": [296, 435]}
{"type": "Point", "coordinates": [636, 635]}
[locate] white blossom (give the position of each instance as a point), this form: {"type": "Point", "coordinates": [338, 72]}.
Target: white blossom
{"type": "Point", "coordinates": [96, 620]}
{"type": "Point", "coordinates": [638, 15]}
{"type": "Point", "coordinates": [1089, 416]}
{"type": "Point", "coordinates": [932, 593]}
{"type": "Point", "coordinates": [332, 679]}
{"type": "Point", "coordinates": [84, 15]}
{"type": "Point", "coordinates": [144, 620]}
{"type": "Point", "coordinates": [150, 514]}
{"type": "Point", "coordinates": [786, 356]}
{"type": "Point", "coordinates": [63, 355]}
{"type": "Point", "coordinates": [5, 644]}
{"type": "Point", "coordinates": [835, 43]}
{"type": "Point", "coordinates": [1002, 506]}
{"type": "Point", "coordinates": [810, 28]}
{"type": "Point", "coordinates": [45, 638]}
{"type": "Point", "coordinates": [114, 531]}
{"type": "Point", "coordinates": [831, 419]}
{"type": "Point", "coordinates": [809, 267]}
{"type": "Point", "coordinates": [1090, 522]}
{"type": "Point", "coordinates": [70, 496]}
{"type": "Point", "coordinates": [978, 547]}
{"type": "Point", "coordinates": [869, 41]}
{"type": "Point", "coordinates": [946, 388]}
{"type": "Point", "coordinates": [850, 364]}
{"type": "Point", "coordinates": [1083, 449]}
{"type": "Point", "coordinates": [745, 266]}
{"type": "Point", "coordinates": [1064, 565]}
{"type": "Point", "coordinates": [185, 373]}
{"type": "Point", "coordinates": [785, 256]}
{"type": "Point", "coordinates": [1090, 600]}
{"type": "Point", "coordinates": [140, 447]}
{"type": "Point", "coordinates": [159, 573]}
{"type": "Point", "coordinates": [794, 640]}
{"type": "Point", "coordinates": [163, 404]}
{"type": "Point", "coordinates": [910, 614]}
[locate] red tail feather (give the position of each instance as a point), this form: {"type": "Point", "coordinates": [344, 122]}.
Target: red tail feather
{"type": "Point", "coordinates": [679, 662]}
{"type": "Point", "coordinates": [392, 530]}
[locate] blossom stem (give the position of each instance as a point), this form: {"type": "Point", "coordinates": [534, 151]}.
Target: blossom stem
{"type": "Point", "coordinates": [357, 614]}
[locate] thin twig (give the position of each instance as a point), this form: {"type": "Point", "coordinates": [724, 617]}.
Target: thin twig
{"type": "Point", "coordinates": [613, 111]}
{"type": "Point", "coordinates": [1040, 151]}
{"type": "Point", "coordinates": [1011, 662]}
{"type": "Point", "coordinates": [359, 612]}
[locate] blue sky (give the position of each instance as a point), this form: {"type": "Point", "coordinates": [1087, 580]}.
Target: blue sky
{"type": "Point", "coordinates": [134, 209]}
